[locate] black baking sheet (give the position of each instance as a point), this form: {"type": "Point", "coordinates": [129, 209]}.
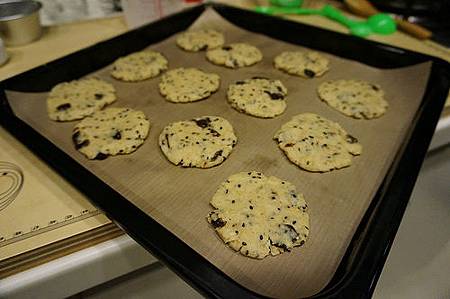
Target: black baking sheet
{"type": "Point", "coordinates": [190, 265]}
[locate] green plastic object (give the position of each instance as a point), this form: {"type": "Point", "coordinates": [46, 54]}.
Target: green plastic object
{"type": "Point", "coordinates": [382, 23]}
{"type": "Point", "coordinates": [378, 23]}
{"type": "Point", "coordinates": [287, 3]}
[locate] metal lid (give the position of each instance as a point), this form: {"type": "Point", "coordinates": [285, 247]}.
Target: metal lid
{"type": "Point", "coordinates": [12, 10]}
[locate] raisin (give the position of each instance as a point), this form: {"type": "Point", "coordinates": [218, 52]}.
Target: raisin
{"type": "Point", "coordinates": [219, 222]}
{"type": "Point", "coordinates": [63, 107]}
{"type": "Point", "coordinates": [290, 230]}
{"type": "Point", "coordinates": [75, 136]}
{"type": "Point", "coordinates": [98, 96]}
{"type": "Point", "coordinates": [282, 246]}
{"type": "Point", "coordinates": [351, 139]}
{"type": "Point", "coordinates": [275, 96]}
{"type": "Point", "coordinates": [214, 132]}
{"type": "Point", "coordinates": [167, 140]}
{"type": "Point", "coordinates": [202, 123]}
{"type": "Point", "coordinates": [101, 156]}
{"type": "Point", "coordinates": [217, 155]}
{"type": "Point", "coordinates": [117, 136]}
{"type": "Point", "coordinates": [79, 144]}
{"type": "Point", "coordinates": [309, 73]}
{"type": "Point", "coordinates": [239, 82]}
{"type": "Point", "coordinates": [374, 87]}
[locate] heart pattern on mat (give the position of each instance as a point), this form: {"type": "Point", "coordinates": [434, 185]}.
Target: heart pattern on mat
{"type": "Point", "coordinates": [11, 181]}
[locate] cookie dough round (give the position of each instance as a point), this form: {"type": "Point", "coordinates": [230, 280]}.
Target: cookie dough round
{"type": "Point", "coordinates": [317, 144]}
{"type": "Point", "coordinates": [259, 215]}
{"type": "Point", "coordinates": [183, 85]}
{"type": "Point", "coordinates": [200, 40]}
{"type": "Point", "coordinates": [79, 98]}
{"type": "Point", "coordinates": [111, 131]}
{"type": "Point", "coordinates": [235, 55]}
{"type": "Point", "coordinates": [304, 64]}
{"type": "Point", "coordinates": [354, 98]}
{"type": "Point", "coordinates": [260, 97]}
{"type": "Point", "coordinates": [139, 66]}
{"type": "Point", "coordinates": [202, 142]}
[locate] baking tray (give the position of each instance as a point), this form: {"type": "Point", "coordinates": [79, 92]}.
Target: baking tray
{"type": "Point", "coordinates": [359, 268]}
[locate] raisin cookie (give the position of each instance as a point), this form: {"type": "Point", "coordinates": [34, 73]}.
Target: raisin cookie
{"type": "Point", "coordinates": [139, 66]}
{"type": "Point", "coordinates": [258, 215]}
{"type": "Point", "coordinates": [200, 40]}
{"type": "Point", "coordinates": [201, 142]}
{"type": "Point", "coordinates": [260, 97]}
{"type": "Point", "coordinates": [235, 55]}
{"type": "Point", "coordinates": [183, 85]}
{"type": "Point", "coordinates": [111, 131]}
{"type": "Point", "coordinates": [304, 64]}
{"type": "Point", "coordinates": [317, 144]}
{"type": "Point", "coordinates": [354, 98]}
{"type": "Point", "coordinates": [79, 98]}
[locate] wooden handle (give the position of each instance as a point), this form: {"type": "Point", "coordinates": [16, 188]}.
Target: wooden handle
{"type": "Point", "coordinates": [413, 29]}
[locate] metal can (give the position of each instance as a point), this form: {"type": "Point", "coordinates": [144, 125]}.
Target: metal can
{"type": "Point", "coordinates": [19, 22]}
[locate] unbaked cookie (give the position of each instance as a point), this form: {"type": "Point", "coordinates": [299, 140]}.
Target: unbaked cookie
{"type": "Point", "coordinates": [183, 85]}
{"type": "Point", "coordinates": [355, 98]}
{"type": "Point", "coordinates": [258, 96]}
{"type": "Point", "coordinates": [317, 144]}
{"type": "Point", "coordinates": [79, 98]}
{"type": "Point", "coordinates": [139, 66]}
{"type": "Point", "coordinates": [258, 215]}
{"type": "Point", "coordinates": [304, 64]}
{"type": "Point", "coordinates": [111, 131]}
{"type": "Point", "coordinates": [235, 55]}
{"type": "Point", "coordinates": [202, 142]}
{"type": "Point", "coordinates": [200, 40]}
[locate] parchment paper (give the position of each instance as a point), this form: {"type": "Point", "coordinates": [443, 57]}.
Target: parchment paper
{"type": "Point", "coordinates": [178, 198]}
